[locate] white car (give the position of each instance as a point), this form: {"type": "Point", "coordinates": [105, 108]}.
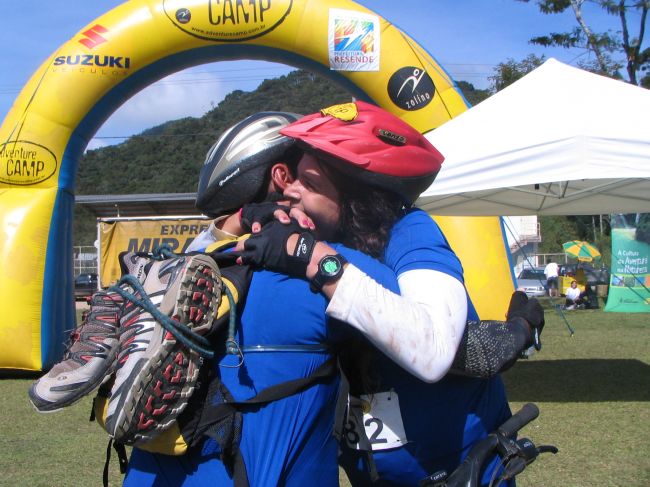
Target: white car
{"type": "Point", "coordinates": [532, 281]}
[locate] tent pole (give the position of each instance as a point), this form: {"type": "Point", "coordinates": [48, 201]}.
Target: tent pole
{"type": "Point", "coordinates": [601, 225]}
{"type": "Point", "coordinates": [593, 224]}
{"type": "Point", "coordinates": [558, 310]}
{"type": "Point", "coordinates": [556, 306]}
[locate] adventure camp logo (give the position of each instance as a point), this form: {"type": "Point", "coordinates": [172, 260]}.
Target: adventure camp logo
{"type": "Point", "coordinates": [353, 41]}
{"type": "Point", "coordinates": [102, 64]}
{"type": "Point", "coordinates": [227, 20]}
{"type": "Point", "coordinates": [24, 163]}
{"type": "Point", "coordinates": [411, 88]}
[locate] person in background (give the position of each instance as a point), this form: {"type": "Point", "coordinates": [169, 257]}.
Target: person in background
{"type": "Point", "coordinates": [589, 297]}
{"type": "Point", "coordinates": [551, 271]}
{"type": "Point", "coordinates": [573, 296]}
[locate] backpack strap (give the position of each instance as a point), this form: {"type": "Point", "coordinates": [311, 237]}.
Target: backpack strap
{"type": "Point", "coordinates": [121, 456]}
{"type": "Point", "coordinates": [214, 414]}
{"type": "Point", "coordinates": [344, 402]}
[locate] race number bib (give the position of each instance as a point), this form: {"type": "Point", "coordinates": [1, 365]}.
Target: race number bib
{"type": "Point", "coordinates": [380, 418]}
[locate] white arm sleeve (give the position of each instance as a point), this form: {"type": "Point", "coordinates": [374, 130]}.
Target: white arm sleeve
{"type": "Point", "coordinates": [420, 329]}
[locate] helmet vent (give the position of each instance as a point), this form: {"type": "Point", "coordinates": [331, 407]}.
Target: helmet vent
{"type": "Point", "coordinates": [391, 137]}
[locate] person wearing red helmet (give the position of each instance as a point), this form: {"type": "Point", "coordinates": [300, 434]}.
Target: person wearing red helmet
{"type": "Point", "coordinates": [361, 171]}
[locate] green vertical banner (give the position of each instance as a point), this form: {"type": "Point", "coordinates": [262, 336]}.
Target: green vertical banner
{"type": "Point", "coordinates": [629, 288]}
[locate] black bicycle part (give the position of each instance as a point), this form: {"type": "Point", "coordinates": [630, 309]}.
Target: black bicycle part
{"type": "Point", "coordinates": [525, 415]}
{"type": "Point", "coordinates": [515, 454]}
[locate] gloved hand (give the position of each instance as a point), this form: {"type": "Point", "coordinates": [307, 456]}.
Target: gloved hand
{"type": "Point", "coordinates": [268, 249]}
{"type": "Point", "coordinates": [261, 213]}
{"type": "Point", "coordinates": [531, 311]}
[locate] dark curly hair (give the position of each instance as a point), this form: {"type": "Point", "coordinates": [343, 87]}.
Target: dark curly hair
{"type": "Point", "coordinates": [367, 214]}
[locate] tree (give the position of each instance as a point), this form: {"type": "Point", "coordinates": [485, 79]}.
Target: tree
{"type": "Point", "coordinates": [510, 71]}
{"type": "Point", "coordinates": [472, 95]}
{"type": "Point", "coordinates": [612, 50]}
{"type": "Point", "coordinates": [556, 230]}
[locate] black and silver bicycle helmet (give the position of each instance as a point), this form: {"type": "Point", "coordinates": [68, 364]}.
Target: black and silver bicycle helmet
{"type": "Point", "coordinates": [237, 165]}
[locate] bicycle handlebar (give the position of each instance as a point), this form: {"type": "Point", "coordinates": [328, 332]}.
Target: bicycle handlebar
{"type": "Point", "coordinates": [517, 421]}
{"type": "Point", "coordinates": [516, 454]}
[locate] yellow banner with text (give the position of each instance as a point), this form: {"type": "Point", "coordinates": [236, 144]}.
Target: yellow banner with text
{"type": "Point", "coordinates": [142, 236]}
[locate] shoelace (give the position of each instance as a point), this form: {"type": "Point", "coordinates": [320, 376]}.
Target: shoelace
{"type": "Point", "coordinates": [163, 252]}
{"type": "Point", "coordinates": [181, 332]}
{"type": "Point", "coordinates": [73, 337]}
{"type": "Point", "coordinates": [176, 328]}
{"type": "Point", "coordinates": [232, 347]}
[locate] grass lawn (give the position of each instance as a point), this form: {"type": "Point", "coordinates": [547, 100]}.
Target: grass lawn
{"type": "Point", "coordinates": [593, 390]}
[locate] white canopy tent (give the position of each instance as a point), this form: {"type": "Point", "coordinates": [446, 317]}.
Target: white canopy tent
{"type": "Point", "coordinates": [560, 141]}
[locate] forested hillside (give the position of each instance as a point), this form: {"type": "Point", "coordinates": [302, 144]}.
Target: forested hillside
{"type": "Point", "coordinates": [168, 158]}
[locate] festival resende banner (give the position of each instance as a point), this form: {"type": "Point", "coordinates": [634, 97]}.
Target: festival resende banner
{"type": "Point", "coordinates": [142, 236]}
{"type": "Point", "coordinates": [629, 288]}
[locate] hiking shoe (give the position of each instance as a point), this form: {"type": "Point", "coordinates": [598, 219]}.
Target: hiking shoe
{"type": "Point", "coordinates": [156, 373]}
{"type": "Point", "coordinates": [88, 358]}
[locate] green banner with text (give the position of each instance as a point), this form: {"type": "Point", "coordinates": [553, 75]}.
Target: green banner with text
{"type": "Point", "coordinates": [629, 288]}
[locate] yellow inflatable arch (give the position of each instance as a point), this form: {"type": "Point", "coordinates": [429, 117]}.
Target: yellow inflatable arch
{"type": "Point", "coordinates": [86, 79]}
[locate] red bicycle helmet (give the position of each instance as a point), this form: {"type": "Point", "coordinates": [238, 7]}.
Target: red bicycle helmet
{"type": "Point", "coordinates": [371, 145]}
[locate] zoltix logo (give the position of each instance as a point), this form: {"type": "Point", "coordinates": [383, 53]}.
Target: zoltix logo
{"type": "Point", "coordinates": [93, 37]}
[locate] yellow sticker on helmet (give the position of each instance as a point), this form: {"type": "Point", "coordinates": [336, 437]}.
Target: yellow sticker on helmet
{"type": "Point", "coordinates": [345, 111]}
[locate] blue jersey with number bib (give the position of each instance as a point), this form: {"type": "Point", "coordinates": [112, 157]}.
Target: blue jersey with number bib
{"type": "Point", "coordinates": [289, 441]}
{"type": "Point", "coordinates": [441, 420]}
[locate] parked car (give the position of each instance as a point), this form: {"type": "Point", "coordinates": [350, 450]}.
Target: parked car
{"type": "Point", "coordinates": [85, 285]}
{"type": "Point", "coordinates": [532, 281]}
{"type": "Point", "coordinates": [594, 275]}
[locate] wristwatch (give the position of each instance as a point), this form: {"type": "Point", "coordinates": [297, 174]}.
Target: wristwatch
{"type": "Point", "coordinates": [330, 269]}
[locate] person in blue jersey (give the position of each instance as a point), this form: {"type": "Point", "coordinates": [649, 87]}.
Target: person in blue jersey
{"type": "Point", "coordinates": [361, 171]}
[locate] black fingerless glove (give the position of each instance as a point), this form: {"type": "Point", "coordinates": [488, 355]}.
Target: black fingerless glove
{"type": "Point", "coordinates": [267, 249]}
{"type": "Point", "coordinates": [531, 311]}
{"type": "Point", "coordinates": [261, 213]}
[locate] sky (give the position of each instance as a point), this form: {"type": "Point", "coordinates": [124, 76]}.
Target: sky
{"type": "Point", "coordinates": [467, 37]}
